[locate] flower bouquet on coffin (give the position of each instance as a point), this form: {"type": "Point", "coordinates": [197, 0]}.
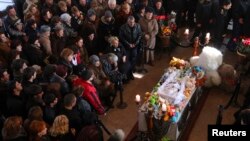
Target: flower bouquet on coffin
{"type": "Point", "coordinates": [243, 47]}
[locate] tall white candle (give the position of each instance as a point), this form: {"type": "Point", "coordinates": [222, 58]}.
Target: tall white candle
{"type": "Point", "coordinates": [164, 107]}
{"type": "Point", "coordinates": [208, 35]}
{"type": "Point", "coordinates": [137, 98]}
{"type": "Point", "coordinates": [186, 31]}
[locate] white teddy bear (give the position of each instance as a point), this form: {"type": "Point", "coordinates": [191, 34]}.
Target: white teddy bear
{"type": "Point", "coordinates": [210, 59]}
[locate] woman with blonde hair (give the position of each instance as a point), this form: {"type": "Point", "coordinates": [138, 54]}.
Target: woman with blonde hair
{"type": "Point", "coordinates": [124, 65]}
{"type": "Point", "coordinates": [32, 13]}
{"type": "Point", "coordinates": [60, 129]}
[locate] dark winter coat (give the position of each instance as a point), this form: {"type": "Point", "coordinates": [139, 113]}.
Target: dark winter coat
{"type": "Point", "coordinates": [130, 35]}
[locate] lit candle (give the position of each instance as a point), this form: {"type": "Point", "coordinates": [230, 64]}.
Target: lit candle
{"type": "Point", "coordinates": [164, 107]}
{"type": "Point", "coordinates": [186, 31]}
{"type": "Point", "coordinates": [137, 98]}
{"type": "Point", "coordinates": [208, 35]}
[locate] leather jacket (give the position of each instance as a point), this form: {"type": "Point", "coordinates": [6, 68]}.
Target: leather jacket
{"type": "Point", "coordinates": [130, 35]}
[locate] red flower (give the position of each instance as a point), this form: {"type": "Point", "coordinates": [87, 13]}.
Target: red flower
{"type": "Point", "coordinates": [246, 42]}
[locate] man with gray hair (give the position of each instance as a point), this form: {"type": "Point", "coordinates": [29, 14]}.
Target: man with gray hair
{"type": "Point", "coordinates": [66, 23]}
{"type": "Point", "coordinates": [130, 36]}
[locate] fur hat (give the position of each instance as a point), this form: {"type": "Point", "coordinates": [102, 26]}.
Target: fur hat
{"type": "Point", "coordinates": [45, 28]}
{"type": "Point", "coordinates": [65, 17]}
{"type": "Point", "coordinates": [93, 59]}
{"type": "Point", "coordinates": [91, 12]}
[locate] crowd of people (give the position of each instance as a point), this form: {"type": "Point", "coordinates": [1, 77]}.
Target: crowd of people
{"type": "Point", "coordinates": [62, 60]}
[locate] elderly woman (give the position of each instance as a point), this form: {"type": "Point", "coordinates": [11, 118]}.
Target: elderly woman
{"type": "Point", "coordinates": [124, 66]}
{"type": "Point", "coordinates": [100, 80]}
{"type": "Point", "coordinates": [66, 23]}
{"type": "Point", "coordinates": [113, 7]}
{"type": "Point", "coordinates": [110, 67]}
{"type": "Point", "coordinates": [44, 39]}
{"type": "Point", "coordinates": [149, 28]}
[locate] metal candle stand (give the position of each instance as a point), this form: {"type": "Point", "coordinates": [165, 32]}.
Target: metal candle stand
{"type": "Point", "coordinates": [119, 88]}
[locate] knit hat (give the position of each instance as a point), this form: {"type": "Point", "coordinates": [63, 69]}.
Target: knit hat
{"type": "Point", "coordinates": [149, 10]}
{"type": "Point", "coordinates": [91, 12]}
{"type": "Point", "coordinates": [65, 17]}
{"type": "Point", "coordinates": [108, 14]}
{"type": "Point", "coordinates": [93, 59]}
{"type": "Point", "coordinates": [44, 28]}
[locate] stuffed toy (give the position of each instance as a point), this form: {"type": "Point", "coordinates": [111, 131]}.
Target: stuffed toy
{"type": "Point", "coordinates": [228, 77]}
{"type": "Point", "coordinates": [210, 60]}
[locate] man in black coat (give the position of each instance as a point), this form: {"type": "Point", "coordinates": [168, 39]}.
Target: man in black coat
{"type": "Point", "coordinates": [239, 16]}
{"type": "Point", "coordinates": [204, 18]}
{"type": "Point", "coordinates": [220, 10]}
{"type": "Point", "coordinates": [4, 82]}
{"type": "Point", "coordinates": [77, 120]}
{"type": "Point", "coordinates": [15, 104]}
{"type": "Point", "coordinates": [130, 36]}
